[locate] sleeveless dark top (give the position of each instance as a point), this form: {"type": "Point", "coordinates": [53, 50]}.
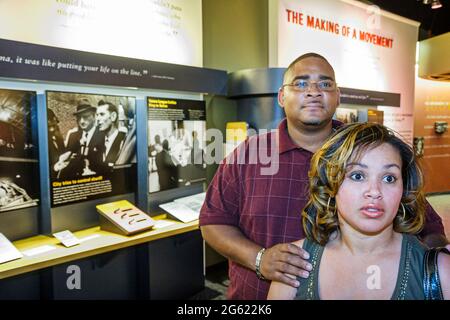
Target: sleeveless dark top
{"type": "Point", "coordinates": [409, 284]}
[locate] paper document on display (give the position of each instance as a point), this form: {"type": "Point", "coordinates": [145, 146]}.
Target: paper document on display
{"type": "Point", "coordinates": [185, 209]}
{"type": "Point", "coordinates": [7, 250]}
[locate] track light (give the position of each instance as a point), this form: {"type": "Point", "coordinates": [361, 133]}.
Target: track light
{"type": "Point", "coordinates": [436, 4]}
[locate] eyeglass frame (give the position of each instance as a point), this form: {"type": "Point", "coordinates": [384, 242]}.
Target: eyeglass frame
{"type": "Point", "coordinates": [309, 85]}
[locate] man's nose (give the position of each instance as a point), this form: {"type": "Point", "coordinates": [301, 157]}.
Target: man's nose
{"type": "Point", "coordinates": [313, 90]}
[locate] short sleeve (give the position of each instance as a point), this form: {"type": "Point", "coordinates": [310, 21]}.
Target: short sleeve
{"type": "Point", "coordinates": [222, 199]}
{"type": "Point", "coordinates": [433, 223]}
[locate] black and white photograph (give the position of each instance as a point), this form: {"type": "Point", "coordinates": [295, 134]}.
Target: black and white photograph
{"type": "Point", "coordinates": [347, 115]}
{"type": "Point", "coordinates": [176, 147]}
{"type": "Point", "coordinates": [18, 150]}
{"type": "Point", "coordinates": [92, 145]}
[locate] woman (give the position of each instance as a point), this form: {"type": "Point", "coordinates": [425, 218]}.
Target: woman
{"type": "Point", "coordinates": [366, 204]}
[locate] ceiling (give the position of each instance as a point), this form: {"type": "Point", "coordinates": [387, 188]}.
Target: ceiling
{"type": "Point", "coordinates": [433, 22]}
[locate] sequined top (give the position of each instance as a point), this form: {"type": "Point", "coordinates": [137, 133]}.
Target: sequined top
{"type": "Point", "coordinates": [409, 284]}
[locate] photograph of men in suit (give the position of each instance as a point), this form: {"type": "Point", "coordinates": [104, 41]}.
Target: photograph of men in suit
{"type": "Point", "coordinates": [97, 156]}
{"type": "Point", "coordinates": [108, 124]}
{"type": "Point", "coordinates": [84, 148]}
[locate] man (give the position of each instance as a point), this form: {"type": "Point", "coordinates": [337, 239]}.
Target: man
{"type": "Point", "coordinates": [167, 170]}
{"type": "Point", "coordinates": [83, 144]}
{"type": "Point", "coordinates": [108, 123]}
{"type": "Point", "coordinates": [252, 218]}
{"type": "Point", "coordinates": [55, 142]}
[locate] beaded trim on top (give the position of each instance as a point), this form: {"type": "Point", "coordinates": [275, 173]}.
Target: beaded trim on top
{"type": "Point", "coordinates": [311, 280]}
{"type": "Point", "coordinates": [405, 276]}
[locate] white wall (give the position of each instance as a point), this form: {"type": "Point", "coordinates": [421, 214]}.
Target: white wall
{"type": "Point", "coordinates": [358, 64]}
{"type": "Point", "coordinates": [158, 30]}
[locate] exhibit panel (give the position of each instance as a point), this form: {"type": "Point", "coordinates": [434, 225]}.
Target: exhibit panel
{"type": "Point", "coordinates": [432, 112]}
{"type": "Point", "coordinates": [176, 156]}
{"type": "Point", "coordinates": [19, 168]}
{"type": "Point", "coordinates": [177, 133]}
{"type": "Point", "coordinates": [432, 133]}
{"type": "Point", "coordinates": [92, 146]}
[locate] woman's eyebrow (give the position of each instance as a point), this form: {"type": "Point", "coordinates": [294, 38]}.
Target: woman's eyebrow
{"type": "Point", "coordinates": [356, 164]}
{"type": "Point", "coordinates": [392, 165]}
{"type": "Point", "coordinates": [387, 166]}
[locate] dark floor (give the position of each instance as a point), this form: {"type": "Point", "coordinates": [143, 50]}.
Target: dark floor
{"type": "Point", "coordinates": [216, 283]}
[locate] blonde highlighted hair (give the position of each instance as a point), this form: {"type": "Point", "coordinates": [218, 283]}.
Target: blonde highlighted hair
{"type": "Point", "coordinates": [328, 167]}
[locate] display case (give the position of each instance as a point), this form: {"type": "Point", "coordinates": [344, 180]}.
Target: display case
{"type": "Point", "coordinates": [73, 172]}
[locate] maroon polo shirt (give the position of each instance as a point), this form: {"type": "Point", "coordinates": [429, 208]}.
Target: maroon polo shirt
{"type": "Point", "coordinates": [266, 206]}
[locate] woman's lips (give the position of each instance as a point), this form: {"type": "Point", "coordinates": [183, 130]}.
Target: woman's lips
{"type": "Point", "coordinates": [372, 211]}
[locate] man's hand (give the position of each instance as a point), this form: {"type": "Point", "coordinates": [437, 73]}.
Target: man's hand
{"type": "Point", "coordinates": [282, 260]}
{"type": "Point", "coordinates": [63, 161]}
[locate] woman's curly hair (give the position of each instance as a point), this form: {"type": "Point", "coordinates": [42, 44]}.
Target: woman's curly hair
{"type": "Point", "coordinates": [328, 167]}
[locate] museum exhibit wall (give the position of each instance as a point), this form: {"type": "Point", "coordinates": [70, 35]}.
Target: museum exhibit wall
{"type": "Point", "coordinates": [431, 109]}
{"type": "Point", "coordinates": [433, 105]}
{"type": "Point", "coordinates": [166, 31]}
{"type": "Point", "coordinates": [370, 49]}
{"type": "Point", "coordinates": [72, 53]}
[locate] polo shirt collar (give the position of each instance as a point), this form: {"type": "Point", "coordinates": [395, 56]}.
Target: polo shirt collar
{"type": "Point", "coordinates": [285, 142]}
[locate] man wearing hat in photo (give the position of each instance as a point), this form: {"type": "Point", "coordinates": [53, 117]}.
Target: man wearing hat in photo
{"type": "Point", "coordinates": [84, 151]}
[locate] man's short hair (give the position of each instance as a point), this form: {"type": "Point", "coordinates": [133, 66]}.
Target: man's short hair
{"type": "Point", "coordinates": [302, 57]}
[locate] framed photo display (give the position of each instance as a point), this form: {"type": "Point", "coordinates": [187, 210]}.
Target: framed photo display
{"type": "Point", "coordinates": [176, 143]}
{"type": "Point", "coordinates": [91, 146]}
{"type": "Point", "coordinates": [19, 170]}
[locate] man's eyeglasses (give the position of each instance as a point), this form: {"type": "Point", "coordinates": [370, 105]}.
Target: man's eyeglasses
{"type": "Point", "coordinates": [305, 85]}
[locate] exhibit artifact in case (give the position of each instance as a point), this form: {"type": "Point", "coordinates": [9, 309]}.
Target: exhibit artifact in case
{"type": "Point", "coordinates": [124, 218]}
{"type": "Point", "coordinates": [8, 251]}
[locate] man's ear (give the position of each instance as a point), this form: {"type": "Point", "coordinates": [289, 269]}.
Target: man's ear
{"type": "Point", "coordinates": [113, 116]}
{"type": "Point", "coordinates": [281, 97]}
{"type": "Point", "coordinates": [338, 97]}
